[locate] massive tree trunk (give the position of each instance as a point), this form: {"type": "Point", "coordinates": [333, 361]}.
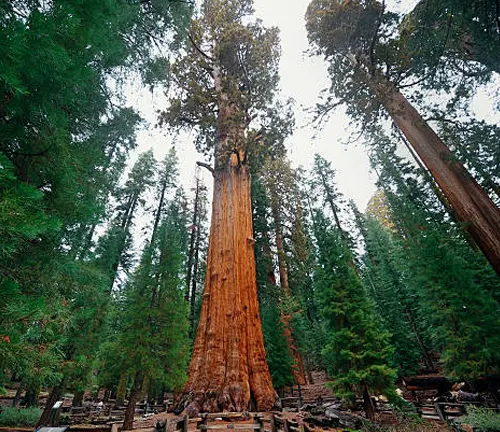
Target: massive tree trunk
{"type": "Point", "coordinates": [473, 208]}
{"type": "Point", "coordinates": [228, 369]}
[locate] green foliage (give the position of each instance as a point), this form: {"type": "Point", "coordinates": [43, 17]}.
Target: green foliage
{"type": "Point", "coordinates": [232, 54]}
{"type": "Point", "coordinates": [19, 417]}
{"type": "Point", "coordinates": [279, 358]}
{"type": "Point", "coordinates": [22, 219]}
{"type": "Point", "coordinates": [155, 325]}
{"type": "Point", "coordinates": [453, 34]}
{"type": "Point", "coordinates": [396, 302]}
{"type": "Point", "coordinates": [63, 143]}
{"type": "Point", "coordinates": [456, 290]}
{"type": "Point", "coordinates": [147, 329]}
{"type": "Point", "coordinates": [357, 352]}
{"type": "Point", "coordinates": [482, 419]}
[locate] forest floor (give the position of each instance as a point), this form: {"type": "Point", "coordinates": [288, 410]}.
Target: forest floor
{"type": "Point", "coordinates": [386, 421]}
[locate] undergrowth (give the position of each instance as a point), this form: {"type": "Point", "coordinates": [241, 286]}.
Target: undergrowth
{"type": "Point", "coordinates": [19, 416]}
{"type": "Point", "coordinates": [483, 419]}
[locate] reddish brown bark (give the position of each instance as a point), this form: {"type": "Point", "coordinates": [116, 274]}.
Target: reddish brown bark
{"type": "Point", "coordinates": [228, 369]}
{"type": "Point", "coordinates": [471, 204]}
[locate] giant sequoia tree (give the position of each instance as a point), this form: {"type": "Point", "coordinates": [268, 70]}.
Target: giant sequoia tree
{"type": "Point", "coordinates": [225, 82]}
{"type": "Point", "coordinates": [355, 36]}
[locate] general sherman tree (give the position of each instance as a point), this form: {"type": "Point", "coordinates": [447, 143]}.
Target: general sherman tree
{"type": "Point", "coordinates": [226, 81]}
{"type": "Point", "coordinates": [355, 36]}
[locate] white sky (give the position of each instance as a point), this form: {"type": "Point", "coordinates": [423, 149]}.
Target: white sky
{"type": "Point", "coordinates": [302, 78]}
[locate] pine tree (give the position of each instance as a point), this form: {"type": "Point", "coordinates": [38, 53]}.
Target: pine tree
{"type": "Point", "coordinates": [155, 330]}
{"type": "Point", "coordinates": [456, 287]}
{"type": "Point", "coordinates": [396, 302]}
{"type": "Point", "coordinates": [357, 353]}
{"type": "Point", "coordinates": [113, 247]}
{"type": "Point", "coordinates": [359, 53]}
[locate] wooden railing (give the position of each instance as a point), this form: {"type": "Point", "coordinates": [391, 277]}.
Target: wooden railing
{"type": "Point", "coordinates": [277, 423]}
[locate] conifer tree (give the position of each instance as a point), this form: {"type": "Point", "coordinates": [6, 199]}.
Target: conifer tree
{"type": "Point", "coordinates": [367, 76]}
{"type": "Point", "coordinates": [112, 250]}
{"type": "Point", "coordinates": [155, 330]}
{"type": "Point", "coordinates": [226, 81]}
{"type": "Point", "coordinates": [357, 354]}
{"type": "Point", "coordinates": [396, 302]}
{"type": "Point", "coordinates": [63, 137]}
{"type": "Point", "coordinates": [278, 354]}
{"type": "Point", "coordinates": [456, 289]}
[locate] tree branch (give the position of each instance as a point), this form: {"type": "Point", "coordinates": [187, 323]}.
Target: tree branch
{"type": "Point", "coordinates": [198, 49]}
{"type": "Point", "coordinates": [205, 165]}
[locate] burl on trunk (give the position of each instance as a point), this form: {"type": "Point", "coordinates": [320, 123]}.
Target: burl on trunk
{"type": "Point", "coordinates": [228, 369]}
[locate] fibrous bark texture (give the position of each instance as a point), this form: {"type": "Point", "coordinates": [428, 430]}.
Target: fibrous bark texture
{"type": "Point", "coordinates": [228, 369]}
{"type": "Point", "coordinates": [472, 206]}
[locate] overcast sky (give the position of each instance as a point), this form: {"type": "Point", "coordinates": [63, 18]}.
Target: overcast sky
{"type": "Point", "coordinates": [302, 78]}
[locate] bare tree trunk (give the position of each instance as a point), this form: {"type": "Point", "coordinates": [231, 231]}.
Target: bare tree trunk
{"type": "Point", "coordinates": [121, 391]}
{"type": "Point", "coordinates": [192, 240]}
{"type": "Point", "coordinates": [228, 369]}
{"type": "Point", "coordinates": [194, 284]}
{"type": "Point", "coordinates": [472, 206]}
{"type": "Point", "coordinates": [368, 404]}
{"type": "Point", "coordinates": [135, 394]}
{"type": "Point", "coordinates": [54, 395]}
{"type": "Point", "coordinates": [78, 398]}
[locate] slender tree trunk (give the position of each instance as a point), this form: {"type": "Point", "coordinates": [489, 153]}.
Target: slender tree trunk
{"type": "Point", "coordinates": [368, 404]}
{"type": "Point", "coordinates": [194, 284]}
{"type": "Point", "coordinates": [78, 399]}
{"type": "Point", "coordinates": [121, 392]}
{"type": "Point", "coordinates": [192, 241]}
{"type": "Point", "coordinates": [31, 395]}
{"type": "Point", "coordinates": [425, 352]}
{"type": "Point", "coordinates": [298, 364]}
{"type": "Point", "coordinates": [228, 369]}
{"type": "Point", "coordinates": [17, 396]}
{"type": "Point", "coordinates": [54, 395]}
{"type": "Point", "coordinates": [281, 250]}
{"type": "Point", "coordinates": [472, 206]}
{"type": "Point", "coordinates": [135, 394]}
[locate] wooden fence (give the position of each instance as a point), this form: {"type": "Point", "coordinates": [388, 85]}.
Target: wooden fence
{"type": "Point", "coordinates": [277, 423]}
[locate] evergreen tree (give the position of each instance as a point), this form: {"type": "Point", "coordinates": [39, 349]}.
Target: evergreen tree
{"type": "Point", "coordinates": [357, 354]}
{"type": "Point", "coordinates": [456, 289]}
{"type": "Point", "coordinates": [354, 37]}
{"type": "Point", "coordinates": [226, 82]}
{"type": "Point", "coordinates": [396, 302]}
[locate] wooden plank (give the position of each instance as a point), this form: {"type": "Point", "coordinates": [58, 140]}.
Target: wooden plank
{"type": "Point", "coordinates": [439, 412]}
{"type": "Point", "coordinates": [286, 427]}
{"type": "Point", "coordinates": [273, 423]}
{"type": "Point", "coordinates": [247, 426]}
{"type": "Point", "coordinates": [259, 421]}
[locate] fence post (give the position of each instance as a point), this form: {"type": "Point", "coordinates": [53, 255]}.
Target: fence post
{"type": "Point", "coordinates": [273, 423]}
{"type": "Point", "coordinates": [185, 424]}
{"type": "Point", "coordinates": [286, 427]}
{"type": "Point", "coordinates": [258, 420]}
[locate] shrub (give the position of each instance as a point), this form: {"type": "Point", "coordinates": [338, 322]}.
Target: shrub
{"type": "Point", "coordinates": [485, 420]}
{"type": "Point", "coordinates": [19, 416]}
